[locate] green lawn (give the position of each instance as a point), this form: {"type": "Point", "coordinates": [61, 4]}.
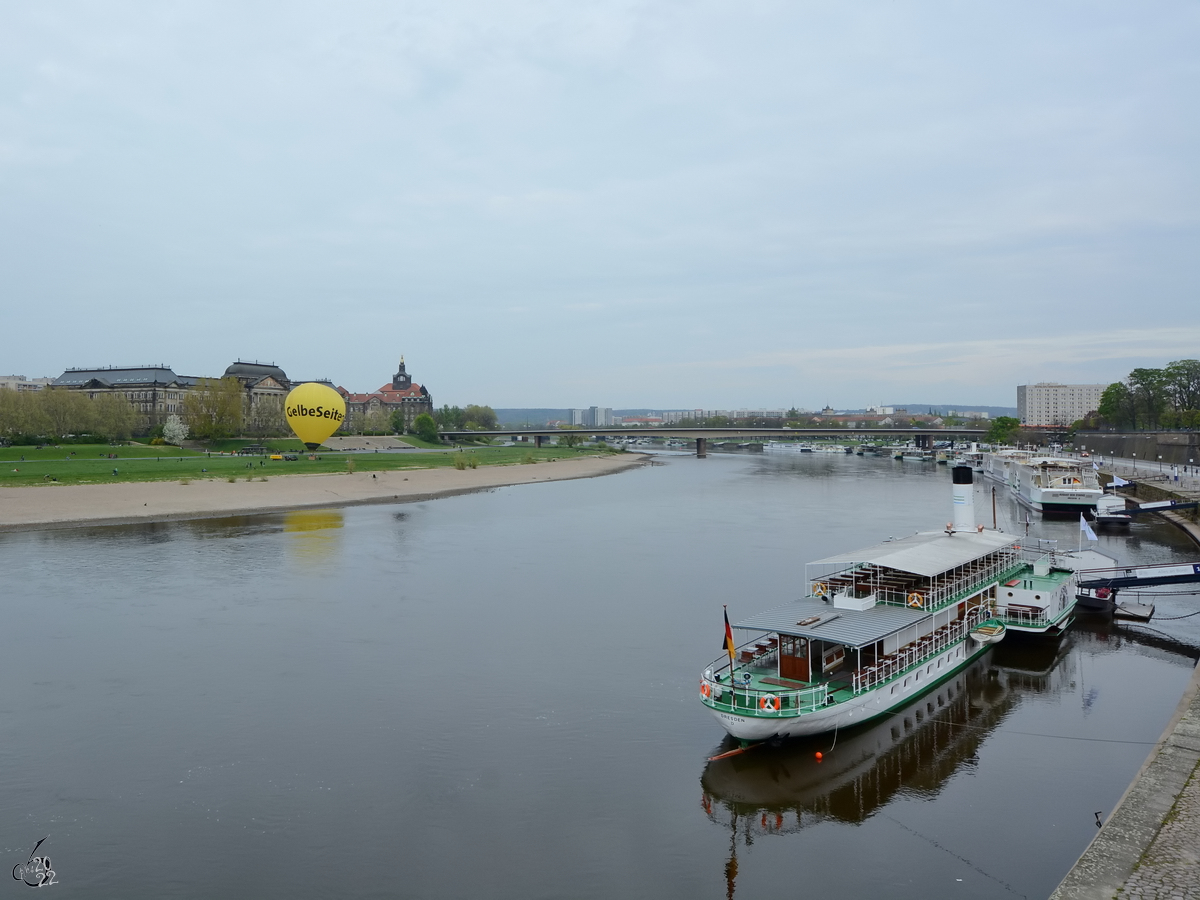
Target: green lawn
{"type": "Point", "coordinates": [90, 465]}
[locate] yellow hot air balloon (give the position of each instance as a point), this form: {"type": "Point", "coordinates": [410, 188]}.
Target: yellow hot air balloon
{"type": "Point", "coordinates": [315, 412]}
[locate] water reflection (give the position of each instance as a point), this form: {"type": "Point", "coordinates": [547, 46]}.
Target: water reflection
{"type": "Point", "coordinates": [314, 535]}
{"type": "Point", "coordinates": [775, 788]}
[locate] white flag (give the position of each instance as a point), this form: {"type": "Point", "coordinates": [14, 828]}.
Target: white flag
{"type": "Point", "coordinates": [1095, 465]}
{"type": "Point", "coordinates": [1087, 529]}
{"type": "Point", "coordinates": [1118, 481]}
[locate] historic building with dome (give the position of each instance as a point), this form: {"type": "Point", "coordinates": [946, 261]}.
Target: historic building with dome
{"type": "Point", "coordinates": [156, 392]}
{"type": "Point", "coordinates": [373, 412]}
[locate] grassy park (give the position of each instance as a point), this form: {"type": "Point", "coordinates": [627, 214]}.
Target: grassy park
{"type": "Point", "coordinates": [92, 463]}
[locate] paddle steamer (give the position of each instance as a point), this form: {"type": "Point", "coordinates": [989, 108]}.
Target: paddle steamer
{"type": "Point", "coordinates": [883, 625]}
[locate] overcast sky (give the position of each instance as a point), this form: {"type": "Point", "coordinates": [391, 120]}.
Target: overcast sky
{"type": "Point", "coordinates": [703, 204]}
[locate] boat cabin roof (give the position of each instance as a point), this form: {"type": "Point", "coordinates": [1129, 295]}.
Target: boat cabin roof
{"type": "Point", "coordinates": [824, 622]}
{"type": "Point", "coordinates": [927, 553]}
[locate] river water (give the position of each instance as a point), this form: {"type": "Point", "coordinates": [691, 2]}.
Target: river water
{"type": "Point", "coordinates": [495, 695]}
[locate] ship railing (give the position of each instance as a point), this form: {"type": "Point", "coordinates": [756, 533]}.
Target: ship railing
{"type": "Point", "coordinates": [727, 696]}
{"type": "Point", "coordinates": [912, 655]}
{"type": "Point", "coordinates": [1029, 617]}
{"type": "Point", "coordinates": [938, 594]}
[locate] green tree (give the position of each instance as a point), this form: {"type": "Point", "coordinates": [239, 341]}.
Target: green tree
{"type": "Point", "coordinates": [1149, 389]}
{"type": "Point", "coordinates": [21, 414]}
{"type": "Point", "coordinates": [1183, 384]}
{"type": "Point", "coordinates": [1003, 430]}
{"type": "Point", "coordinates": [449, 417]}
{"type": "Point", "coordinates": [114, 416]}
{"type": "Point", "coordinates": [1117, 407]}
{"type": "Point", "coordinates": [213, 410]}
{"type": "Point", "coordinates": [570, 440]}
{"type": "Point", "coordinates": [426, 427]}
{"type": "Point", "coordinates": [479, 418]}
{"type": "Point", "coordinates": [399, 421]}
{"type": "Point", "coordinates": [66, 411]}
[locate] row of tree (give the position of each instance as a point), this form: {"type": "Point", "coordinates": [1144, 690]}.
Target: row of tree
{"type": "Point", "coordinates": [217, 408]}
{"type": "Point", "coordinates": [469, 418]}
{"type": "Point", "coordinates": [1151, 399]}
{"type": "Point", "coordinates": [57, 412]}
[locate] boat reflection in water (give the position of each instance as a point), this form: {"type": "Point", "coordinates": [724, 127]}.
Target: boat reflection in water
{"type": "Point", "coordinates": [782, 787]}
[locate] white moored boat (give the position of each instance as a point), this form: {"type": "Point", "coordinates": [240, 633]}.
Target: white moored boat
{"type": "Point", "coordinates": [1045, 484]}
{"type": "Point", "coordinates": [883, 625]}
{"type": "Point", "coordinates": [1051, 484]}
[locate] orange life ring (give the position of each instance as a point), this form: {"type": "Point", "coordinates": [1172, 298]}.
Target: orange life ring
{"type": "Point", "coordinates": [915, 599]}
{"type": "Point", "coordinates": [819, 589]}
{"type": "Point", "coordinates": [705, 690]}
{"type": "Point", "coordinates": [768, 702]}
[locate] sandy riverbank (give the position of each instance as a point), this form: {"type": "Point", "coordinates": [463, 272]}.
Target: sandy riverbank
{"type": "Point", "coordinates": [48, 506]}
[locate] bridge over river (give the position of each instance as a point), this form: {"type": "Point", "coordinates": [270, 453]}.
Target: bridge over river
{"type": "Point", "coordinates": [923, 437]}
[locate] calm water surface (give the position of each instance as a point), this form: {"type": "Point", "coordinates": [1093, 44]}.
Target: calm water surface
{"type": "Point", "coordinates": [495, 696]}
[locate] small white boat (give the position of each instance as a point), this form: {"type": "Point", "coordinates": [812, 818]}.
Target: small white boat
{"type": "Point", "coordinates": [1111, 510]}
{"type": "Point", "coordinates": [989, 632]}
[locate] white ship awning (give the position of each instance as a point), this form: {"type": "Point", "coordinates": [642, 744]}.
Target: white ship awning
{"type": "Point", "coordinates": [855, 628]}
{"type": "Point", "coordinates": [927, 554]}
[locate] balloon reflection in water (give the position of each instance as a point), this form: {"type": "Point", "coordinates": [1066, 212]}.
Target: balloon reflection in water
{"type": "Point", "coordinates": [316, 534]}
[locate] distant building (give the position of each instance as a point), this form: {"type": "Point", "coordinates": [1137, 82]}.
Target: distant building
{"type": "Point", "coordinates": [592, 417]}
{"type": "Point", "coordinates": [373, 412]}
{"type": "Point", "coordinates": [964, 414]}
{"type": "Point", "coordinates": [155, 391]}
{"type": "Point", "coordinates": [21, 383]}
{"type": "Point", "coordinates": [1050, 403]}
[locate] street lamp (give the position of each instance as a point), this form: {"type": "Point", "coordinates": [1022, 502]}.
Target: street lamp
{"type": "Point", "coordinates": [1160, 463]}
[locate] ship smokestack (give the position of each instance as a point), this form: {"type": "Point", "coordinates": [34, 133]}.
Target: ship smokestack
{"type": "Point", "coordinates": [964, 498]}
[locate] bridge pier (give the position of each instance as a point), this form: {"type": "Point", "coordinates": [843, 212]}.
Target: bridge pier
{"type": "Point", "coordinates": [537, 441]}
{"type": "Point", "coordinates": [701, 447]}
{"type": "Point", "coordinates": [924, 441]}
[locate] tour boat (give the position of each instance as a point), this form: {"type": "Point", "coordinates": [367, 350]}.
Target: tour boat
{"type": "Point", "coordinates": [883, 625]}
{"type": "Point", "coordinates": [1001, 465]}
{"type": "Point", "coordinates": [1050, 484]}
{"type": "Point", "coordinates": [1045, 484]}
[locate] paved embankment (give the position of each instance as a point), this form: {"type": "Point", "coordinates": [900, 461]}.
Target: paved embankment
{"type": "Point", "coordinates": [1150, 846]}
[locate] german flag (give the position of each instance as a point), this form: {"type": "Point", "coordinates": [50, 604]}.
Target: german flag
{"type": "Point", "coordinates": [730, 648]}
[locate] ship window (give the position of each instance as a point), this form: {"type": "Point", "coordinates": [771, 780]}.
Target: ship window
{"type": "Point", "coordinates": [1037, 596]}
{"type": "Point", "coordinates": [1010, 593]}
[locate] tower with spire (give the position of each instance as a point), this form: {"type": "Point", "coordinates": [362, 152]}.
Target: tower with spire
{"type": "Point", "coordinates": [401, 381]}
